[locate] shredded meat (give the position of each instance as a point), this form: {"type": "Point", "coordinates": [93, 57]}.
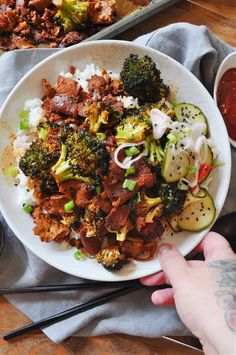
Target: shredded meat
{"type": "Point", "coordinates": [54, 205]}
{"type": "Point", "coordinates": [117, 218]}
{"type": "Point", "coordinates": [117, 193]}
{"type": "Point", "coordinates": [98, 84]}
{"type": "Point", "coordinates": [152, 231]}
{"type": "Point", "coordinates": [62, 105]}
{"type": "Point", "coordinates": [47, 228]}
{"type": "Point", "coordinates": [48, 89]}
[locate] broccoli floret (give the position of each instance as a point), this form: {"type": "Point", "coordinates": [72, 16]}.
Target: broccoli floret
{"type": "Point", "coordinates": [132, 129]}
{"type": "Point", "coordinates": [48, 185]}
{"type": "Point", "coordinates": [146, 203]}
{"type": "Point", "coordinates": [111, 258]}
{"type": "Point", "coordinates": [38, 160]}
{"type": "Point", "coordinates": [141, 78]}
{"type": "Point", "coordinates": [71, 13]}
{"type": "Point", "coordinates": [96, 116]}
{"type": "Point", "coordinates": [122, 233]}
{"type": "Point", "coordinates": [173, 198]}
{"type": "Point", "coordinates": [82, 155]}
{"type": "Point", "coordinates": [156, 153]}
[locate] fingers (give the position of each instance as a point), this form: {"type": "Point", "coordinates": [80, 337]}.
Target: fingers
{"type": "Point", "coordinates": [173, 263]}
{"type": "Point", "coordinates": [155, 279]}
{"type": "Point", "coordinates": [216, 247]}
{"type": "Point", "coordinates": [163, 297]}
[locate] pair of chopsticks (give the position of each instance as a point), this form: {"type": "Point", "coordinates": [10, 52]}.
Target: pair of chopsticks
{"type": "Point", "coordinates": [127, 287]}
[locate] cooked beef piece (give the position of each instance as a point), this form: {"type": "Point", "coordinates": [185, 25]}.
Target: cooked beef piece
{"type": "Point", "coordinates": [101, 228]}
{"type": "Point", "coordinates": [117, 193]}
{"type": "Point", "coordinates": [152, 231]}
{"type": "Point", "coordinates": [115, 173]}
{"type": "Point", "coordinates": [139, 223]}
{"type": "Point", "coordinates": [8, 20]}
{"type": "Point", "coordinates": [49, 91]}
{"type": "Point", "coordinates": [67, 86]}
{"type": "Point", "coordinates": [72, 38]}
{"type": "Point", "coordinates": [54, 205]}
{"type": "Point", "coordinates": [145, 177]}
{"type": "Point", "coordinates": [103, 204]}
{"type": "Point", "coordinates": [102, 12]}
{"type": "Point", "coordinates": [91, 244]}
{"type": "Point", "coordinates": [20, 43]}
{"type": "Point", "coordinates": [116, 87]}
{"type": "Point", "coordinates": [117, 218]}
{"type": "Point", "coordinates": [83, 196]}
{"type": "Point", "coordinates": [98, 84]}
{"type": "Point", "coordinates": [47, 228]}
{"type": "Point", "coordinates": [40, 5]}
{"type": "Point", "coordinates": [62, 105]}
{"type": "Point", "coordinates": [70, 188]}
{"type": "Point", "coordinates": [133, 248]}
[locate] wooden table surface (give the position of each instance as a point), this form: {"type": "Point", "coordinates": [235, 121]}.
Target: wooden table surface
{"type": "Point", "coordinates": [220, 17]}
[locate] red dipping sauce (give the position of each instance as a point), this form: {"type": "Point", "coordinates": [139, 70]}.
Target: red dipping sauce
{"type": "Point", "coordinates": [226, 100]}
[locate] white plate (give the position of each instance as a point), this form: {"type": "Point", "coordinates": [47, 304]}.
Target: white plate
{"type": "Point", "coordinates": [228, 63]}
{"type": "Point", "coordinates": [108, 54]}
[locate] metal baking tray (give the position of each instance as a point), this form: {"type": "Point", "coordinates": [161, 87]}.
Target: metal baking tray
{"type": "Point", "coordinates": [132, 19]}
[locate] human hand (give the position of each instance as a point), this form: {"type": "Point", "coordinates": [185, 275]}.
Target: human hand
{"type": "Point", "coordinates": [204, 292]}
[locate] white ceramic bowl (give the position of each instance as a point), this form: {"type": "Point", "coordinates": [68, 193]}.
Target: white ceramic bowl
{"type": "Point", "coordinates": [108, 54]}
{"type": "Point", "coordinates": [228, 63]}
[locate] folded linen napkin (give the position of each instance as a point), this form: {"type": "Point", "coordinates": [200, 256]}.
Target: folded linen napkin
{"type": "Point", "coordinates": [201, 52]}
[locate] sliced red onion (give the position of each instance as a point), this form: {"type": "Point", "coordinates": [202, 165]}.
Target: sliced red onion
{"type": "Point", "coordinates": [128, 161]}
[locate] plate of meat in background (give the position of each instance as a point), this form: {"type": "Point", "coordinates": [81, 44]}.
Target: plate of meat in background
{"type": "Point", "coordinates": [26, 24]}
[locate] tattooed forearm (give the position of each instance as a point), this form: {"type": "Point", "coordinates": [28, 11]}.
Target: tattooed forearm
{"type": "Point", "coordinates": [226, 298]}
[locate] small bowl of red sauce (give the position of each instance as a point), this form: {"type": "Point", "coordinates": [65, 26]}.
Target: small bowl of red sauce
{"type": "Point", "coordinates": [225, 94]}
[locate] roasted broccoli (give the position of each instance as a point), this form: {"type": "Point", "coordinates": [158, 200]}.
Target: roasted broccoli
{"type": "Point", "coordinates": [71, 13]}
{"type": "Point", "coordinates": [122, 233]}
{"type": "Point", "coordinates": [96, 116]}
{"type": "Point", "coordinates": [38, 160]}
{"type": "Point", "coordinates": [141, 78]}
{"type": "Point", "coordinates": [146, 203]}
{"type": "Point", "coordinates": [82, 156]}
{"type": "Point", "coordinates": [173, 198]}
{"type": "Point", "coordinates": [156, 153]}
{"type": "Point", "coordinates": [132, 129]}
{"type": "Point", "coordinates": [111, 258]}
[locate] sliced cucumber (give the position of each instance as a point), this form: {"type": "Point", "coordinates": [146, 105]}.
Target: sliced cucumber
{"type": "Point", "coordinates": [209, 159]}
{"type": "Point", "coordinates": [197, 215]}
{"type": "Point", "coordinates": [190, 113]}
{"type": "Point", "coordinates": [172, 221]}
{"type": "Point", "coordinates": [174, 166]}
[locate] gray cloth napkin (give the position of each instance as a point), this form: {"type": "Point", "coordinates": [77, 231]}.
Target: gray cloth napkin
{"type": "Point", "coordinates": [201, 52]}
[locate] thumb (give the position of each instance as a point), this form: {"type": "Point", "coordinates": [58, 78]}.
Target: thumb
{"type": "Point", "coordinates": [173, 263]}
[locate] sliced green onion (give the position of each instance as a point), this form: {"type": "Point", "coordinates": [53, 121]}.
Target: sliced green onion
{"type": "Point", "coordinates": [174, 103]}
{"type": "Point", "coordinates": [172, 138]}
{"type": "Point", "coordinates": [91, 256]}
{"type": "Point", "coordinates": [24, 124]}
{"type": "Point", "coordinates": [28, 208]}
{"type": "Point", "coordinates": [138, 196]}
{"type": "Point", "coordinates": [78, 255]}
{"type": "Point", "coordinates": [12, 171]}
{"type": "Point", "coordinates": [43, 134]}
{"type": "Point", "coordinates": [24, 114]}
{"type": "Point", "coordinates": [131, 151]}
{"type": "Point", "coordinates": [180, 136]}
{"type": "Point", "coordinates": [101, 136]}
{"type": "Point", "coordinates": [98, 189]}
{"type": "Point", "coordinates": [68, 207]}
{"type": "Point", "coordinates": [192, 169]}
{"type": "Point", "coordinates": [129, 184]}
{"type": "Point", "coordinates": [187, 129]}
{"type": "Point", "coordinates": [130, 171]}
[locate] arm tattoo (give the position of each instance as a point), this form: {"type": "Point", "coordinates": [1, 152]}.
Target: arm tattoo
{"type": "Point", "coordinates": [226, 298]}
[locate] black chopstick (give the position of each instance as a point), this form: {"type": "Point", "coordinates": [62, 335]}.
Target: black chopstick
{"type": "Point", "coordinates": [76, 310]}
{"type": "Point", "coordinates": [69, 287]}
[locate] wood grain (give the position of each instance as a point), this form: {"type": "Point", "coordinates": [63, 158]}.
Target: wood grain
{"type": "Point", "coordinates": [220, 7]}
{"type": "Point", "coordinates": [220, 17]}
{"type": "Point", "coordinates": [185, 11]}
